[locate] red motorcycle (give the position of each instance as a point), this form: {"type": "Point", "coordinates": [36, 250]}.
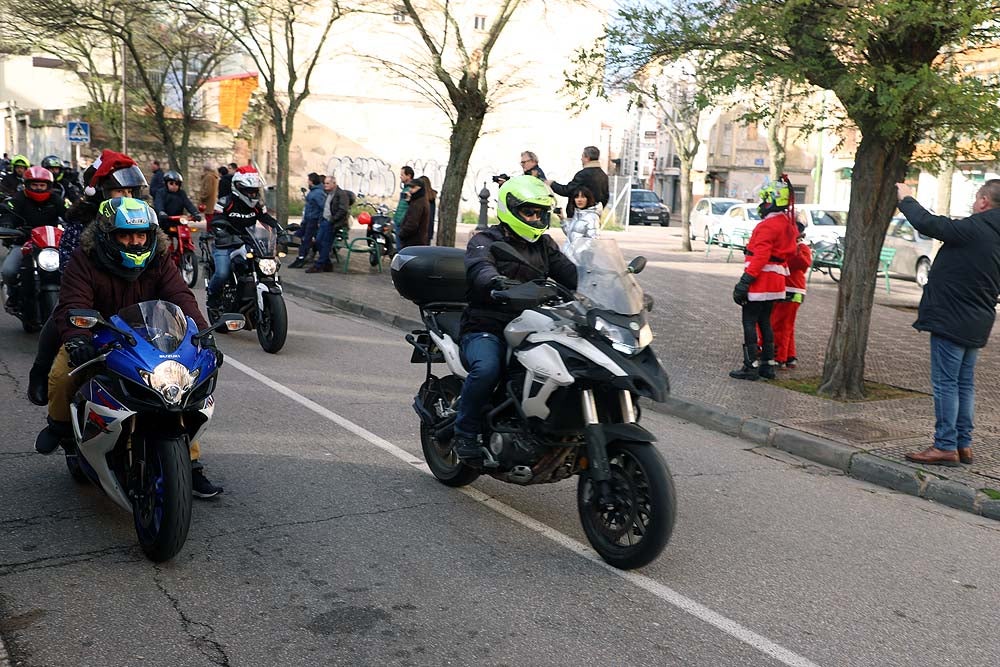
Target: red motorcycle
{"type": "Point", "coordinates": [39, 278]}
{"type": "Point", "coordinates": [182, 247]}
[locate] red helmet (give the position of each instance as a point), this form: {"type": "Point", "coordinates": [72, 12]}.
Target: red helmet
{"type": "Point", "coordinates": [33, 175]}
{"type": "Point", "coordinates": [365, 218]}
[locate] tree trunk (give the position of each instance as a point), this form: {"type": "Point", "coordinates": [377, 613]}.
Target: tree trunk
{"type": "Point", "coordinates": [878, 166]}
{"type": "Point", "coordinates": [283, 139]}
{"type": "Point", "coordinates": [776, 147]}
{"type": "Point", "coordinates": [464, 135]}
{"type": "Point", "coordinates": [686, 193]}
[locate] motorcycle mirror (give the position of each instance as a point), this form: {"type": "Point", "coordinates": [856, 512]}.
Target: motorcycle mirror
{"type": "Point", "coordinates": [504, 249]}
{"type": "Point", "coordinates": [82, 318]}
{"type": "Point", "coordinates": [637, 264]}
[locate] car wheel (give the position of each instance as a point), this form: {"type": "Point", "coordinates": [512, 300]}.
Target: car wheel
{"type": "Point", "coordinates": [923, 271]}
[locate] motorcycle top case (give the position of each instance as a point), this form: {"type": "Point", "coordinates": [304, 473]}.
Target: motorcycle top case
{"type": "Point", "coordinates": [429, 274]}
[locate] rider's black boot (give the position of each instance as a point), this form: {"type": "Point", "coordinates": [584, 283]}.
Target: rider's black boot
{"type": "Point", "coordinates": [213, 304]}
{"type": "Point", "coordinates": [38, 384]}
{"type": "Point", "coordinates": [466, 448]}
{"type": "Point", "coordinates": [767, 366]}
{"type": "Point", "coordinates": [749, 369]}
{"type": "Point", "coordinates": [50, 437]}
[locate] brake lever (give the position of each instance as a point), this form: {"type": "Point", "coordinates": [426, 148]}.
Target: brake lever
{"type": "Point", "coordinates": [98, 359]}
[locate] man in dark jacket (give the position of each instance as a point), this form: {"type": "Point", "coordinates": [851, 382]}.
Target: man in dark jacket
{"type": "Point", "coordinates": [591, 177]}
{"type": "Point", "coordinates": [122, 260]}
{"type": "Point", "coordinates": [312, 216]}
{"type": "Point", "coordinates": [525, 205]}
{"type": "Point", "coordinates": [338, 208]}
{"type": "Point", "coordinates": [416, 222]}
{"type": "Point", "coordinates": [156, 180]}
{"type": "Point", "coordinates": [957, 308]}
{"type": "Point", "coordinates": [173, 201]}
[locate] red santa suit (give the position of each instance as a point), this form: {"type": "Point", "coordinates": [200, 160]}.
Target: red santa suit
{"type": "Point", "coordinates": [770, 245]}
{"type": "Point", "coordinates": [784, 313]}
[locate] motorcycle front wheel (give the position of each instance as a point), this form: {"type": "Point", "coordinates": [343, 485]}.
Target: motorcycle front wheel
{"type": "Point", "coordinates": [446, 467]}
{"type": "Point", "coordinates": [633, 526]}
{"type": "Point", "coordinates": [161, 507]}
{"type": "Point", "coordinates": [189, 268]}
{"type": "Point", "coordinates": [272, 325]}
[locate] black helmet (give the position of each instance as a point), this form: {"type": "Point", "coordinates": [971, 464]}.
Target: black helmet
{"type": "Point", "coordinates": [51, 162]}
{"type": "Point", "coordinates": [127, 177]}
{"type": "Point", "coordinates": [124, 214]}
{"type": "Point", "coordinates": [174, 176]}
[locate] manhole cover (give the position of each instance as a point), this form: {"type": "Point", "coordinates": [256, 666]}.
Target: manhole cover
{"type": "Point", "coordinates": [854, 429]}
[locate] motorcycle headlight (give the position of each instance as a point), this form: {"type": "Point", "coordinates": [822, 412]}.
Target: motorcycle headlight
{"type": "Point", "coordinates": [268, 266]}
{"type": "Point", "coordinates": [48, 259]}
{"type": "Point", "coordinates": [630, 340]}
{"type": "Point", "coordinates": [171, 380]}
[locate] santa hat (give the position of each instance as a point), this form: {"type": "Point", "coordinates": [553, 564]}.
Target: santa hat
{"type": "Point", "coordinates": [247, 169]}
{"type": "Point", "coordinates": [109, 162]}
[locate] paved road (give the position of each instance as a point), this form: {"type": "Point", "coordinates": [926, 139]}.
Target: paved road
{"type": "Point", "coordinates": [333, 546]}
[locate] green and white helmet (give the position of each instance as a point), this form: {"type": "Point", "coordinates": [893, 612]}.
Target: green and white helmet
{"type": "Point", "coordinates": [521, 198]}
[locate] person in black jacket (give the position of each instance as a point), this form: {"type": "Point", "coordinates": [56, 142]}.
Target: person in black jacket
{"type": "Point", "coordinates": [525, 205]}
{"type": "Point", "coordinates": [335, 216]}
{"type": "Point", "coordinates": [156, 181]}
{"type": "Point", "coordinates": [591, 177]}
{"type": "Point", "coordinates": [173, 201]}
{"type": "Point", "coordinates": [957, 308]}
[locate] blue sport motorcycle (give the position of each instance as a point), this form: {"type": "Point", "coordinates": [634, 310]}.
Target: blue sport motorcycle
{"type": "Point", "coordinates": [134, 418]}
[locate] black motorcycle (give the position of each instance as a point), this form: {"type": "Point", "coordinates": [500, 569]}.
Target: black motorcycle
{"type": "Point", "coordinates": [253, 289]}
{"type": "Point", "coordinates": [568, 404]}
{"type": "Point", "coordinates": [37, 290]}
{"type": "Point", "coordinates": [381, 231]}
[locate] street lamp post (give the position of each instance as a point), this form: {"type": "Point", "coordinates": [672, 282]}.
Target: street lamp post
{"type": "Point", "coordinates": [484, 212]}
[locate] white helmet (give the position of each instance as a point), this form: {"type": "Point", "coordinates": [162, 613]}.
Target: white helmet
{"type": "Point", "coordinates": [247, 185]}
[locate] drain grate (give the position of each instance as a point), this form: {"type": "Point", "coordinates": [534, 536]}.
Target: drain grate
{"type": "Point", "coordinates": [854, 429]}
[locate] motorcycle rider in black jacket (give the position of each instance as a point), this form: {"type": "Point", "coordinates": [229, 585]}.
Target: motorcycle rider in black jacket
{"type": "Point", "coordinates": [240, 210]}
{"type": "Point", "coordinates": [172, 200]}
{"type": "Point", "coordinates": [67, 184]}
{"type": "Point", "coordinates": [525, 205]}
{"type": "Point", "coordinates": [35, 206]}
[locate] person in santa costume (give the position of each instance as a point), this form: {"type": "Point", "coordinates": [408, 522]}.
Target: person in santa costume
{"type": "Point", "coordinates": [763, 281]}
{"type": "Point", "coordinates": [784, 313]}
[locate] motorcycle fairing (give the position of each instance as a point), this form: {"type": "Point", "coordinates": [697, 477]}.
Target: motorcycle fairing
{"type": "Point", "coordinates": [96, 430]}
{"type": "Point", "coordinates": [581, 346]}
{"type": "Point", "coordinates": [543, 365]}
{"type": "Point", "coordinates": [207, 410]}
{"type": "Point", "coordinates": [452, 353]}
{"type": "Point", "coordinates": [129, 360]}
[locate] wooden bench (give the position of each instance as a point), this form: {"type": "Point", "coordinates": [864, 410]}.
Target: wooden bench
{"type": "Point", "coordinates": [736, 241]}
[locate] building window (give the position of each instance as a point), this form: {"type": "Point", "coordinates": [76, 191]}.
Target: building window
{"type": "Point", "coordinates": [480, 22]}
{"type": "Point", "coordinates": [727, 139]}
{"type": "Point", "coordinates": [752, 132]}
{"type": "Point", "coordinates": [399, 14]}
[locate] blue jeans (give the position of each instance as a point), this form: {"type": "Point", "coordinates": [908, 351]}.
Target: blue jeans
{"type": "Point", "coordinates": [484, 357]}
{"type": "Point", "coordinates": [223, 268]}
{"type": "Point", "coordinates": [953, 370]}
{"type": "Point", "coordinates": [12, 265]}
{"type": "Point", "coordinates": [309, 231]}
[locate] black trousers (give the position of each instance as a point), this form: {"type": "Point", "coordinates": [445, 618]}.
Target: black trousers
{"type": "Point", "coordinates": [757, 314]}
{"type": "Point", "coordinates": [49, 343]}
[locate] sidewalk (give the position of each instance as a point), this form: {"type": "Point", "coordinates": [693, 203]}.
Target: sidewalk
{"type": "Point", "coordinates": [698, 341]}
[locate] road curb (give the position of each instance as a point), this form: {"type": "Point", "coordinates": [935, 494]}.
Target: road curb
{"type": "Point", "coordinates": [853, 461]}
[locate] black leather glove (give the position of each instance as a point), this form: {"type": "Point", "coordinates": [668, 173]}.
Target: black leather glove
{"type": "Point", "coordinates": [503, 282]}
{"type": "Point", "coordinates": [741, 293]}
{"type": "Point", "coordinates": [208, 343]}
{"type": "Point", "coordinates": [81, 350]}
{"type": "Point", "coordinates": [196, 217]}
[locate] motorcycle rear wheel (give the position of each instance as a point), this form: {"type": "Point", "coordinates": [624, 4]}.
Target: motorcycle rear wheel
{"type": "Point", "coordinates": [636, 529]}
{"type": "Point", "coordinates": [189, 268]}
{"type": "Point", "coordinates": [162, 508]}
{"type": "Point", "coordinates": [446, 467]}
{"type": "Point", "coordinates": [272, 327]}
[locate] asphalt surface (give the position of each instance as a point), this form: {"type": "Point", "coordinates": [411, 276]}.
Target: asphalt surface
{"type": "Point", "coordinates": [333, 546]}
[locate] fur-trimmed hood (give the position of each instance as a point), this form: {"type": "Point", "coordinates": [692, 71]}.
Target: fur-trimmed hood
{"type": "Point", "coordinates": [88, 241]}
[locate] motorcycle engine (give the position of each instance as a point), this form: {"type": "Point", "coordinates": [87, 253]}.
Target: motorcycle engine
{"type": "Point", "coordinates": [513, 449]}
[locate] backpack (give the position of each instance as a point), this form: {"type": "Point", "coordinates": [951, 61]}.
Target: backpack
{"type": "Point", "coordinates": [351, 198]}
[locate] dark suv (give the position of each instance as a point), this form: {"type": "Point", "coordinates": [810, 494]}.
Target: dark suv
{"type": "Point", "coordinates": [647, 208]}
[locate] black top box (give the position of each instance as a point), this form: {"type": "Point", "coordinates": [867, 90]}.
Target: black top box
{"type": "Point", "coordinates": [429, 274]}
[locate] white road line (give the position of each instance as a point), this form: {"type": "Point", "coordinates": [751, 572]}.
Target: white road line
{"type": "Point", "coordinates": [665, 593]}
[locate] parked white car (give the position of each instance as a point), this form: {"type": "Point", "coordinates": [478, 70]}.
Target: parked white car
{"type": "Point", "coordinates": [706, 214]}
{"type": "Point", "coordinates": [821, 223]}
{"type": "Point", "coordinates": [738, 217]}
{"type": "Point", "coordinates": [914, 252]}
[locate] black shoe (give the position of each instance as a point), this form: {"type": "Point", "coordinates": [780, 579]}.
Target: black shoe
{"type": "Point", "coordinates": [298, 263]}
{"type": "Point", "coordinates": [38, 385]}
{"type": "Point", "coordinates": [767, 370]}
{"type": "Point", "coordinates": [466, 448]}
{"type": "Point", "coordinates": [749, 369]}
{"type": "Point", "coordinates": [53, 435]}
{"type": "Point", "coordinates": [201, 487]}
{"type": "Point", "coordinates": [213, 304]}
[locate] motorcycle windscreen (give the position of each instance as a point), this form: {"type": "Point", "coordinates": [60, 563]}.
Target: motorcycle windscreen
{"type": "Point", "coordinates": [266, 239]}
{"type": "Point", "coordinates": [161, 323]}
{"type": "Point", "coordinates": [603, 280]}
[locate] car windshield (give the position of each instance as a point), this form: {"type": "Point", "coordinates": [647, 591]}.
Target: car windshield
{"type": "Point", "coordinates": [159, 322]}
{"type": "Point", "coordinates": [266, 238]}
{"type": "Point", "coordinates": [639, 197]}
{"type": "Point", "coordinates": [603, 280]}
{"type": "Point", "coordinates": [838, 218]}
{"type": "Point", "coordinates": [720, 207]}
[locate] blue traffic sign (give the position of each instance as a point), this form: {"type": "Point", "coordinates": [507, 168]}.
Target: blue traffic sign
{"type": "Point", "coordinates": [78, 132]}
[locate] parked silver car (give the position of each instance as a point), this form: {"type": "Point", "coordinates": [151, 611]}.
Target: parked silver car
{"type": "Point", "coordinates": [822, 223]}
{"type": "Point", "coordinates": [706, 214]}
{"type": "Point", "coordinates": [914, 252]}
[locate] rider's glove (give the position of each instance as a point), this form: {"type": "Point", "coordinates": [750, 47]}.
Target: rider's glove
{"type": "Point", "coordinates": [208, 343]}
{"type": "Point", "coordinates": [742, 290]}
{"type": "Point", "coordinates": [80, 349]}
{"type": "Point", "coordinates": [196, 217]}
{"type": "Point", "coordinates": [503, 282]}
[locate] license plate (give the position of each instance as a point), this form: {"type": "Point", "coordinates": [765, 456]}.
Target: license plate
{"type": "Point", "coordinates": [652, 217]}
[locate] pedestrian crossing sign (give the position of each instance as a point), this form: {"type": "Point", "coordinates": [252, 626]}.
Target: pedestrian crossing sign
{"type": "Point", "coordinates": [78, 131]}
